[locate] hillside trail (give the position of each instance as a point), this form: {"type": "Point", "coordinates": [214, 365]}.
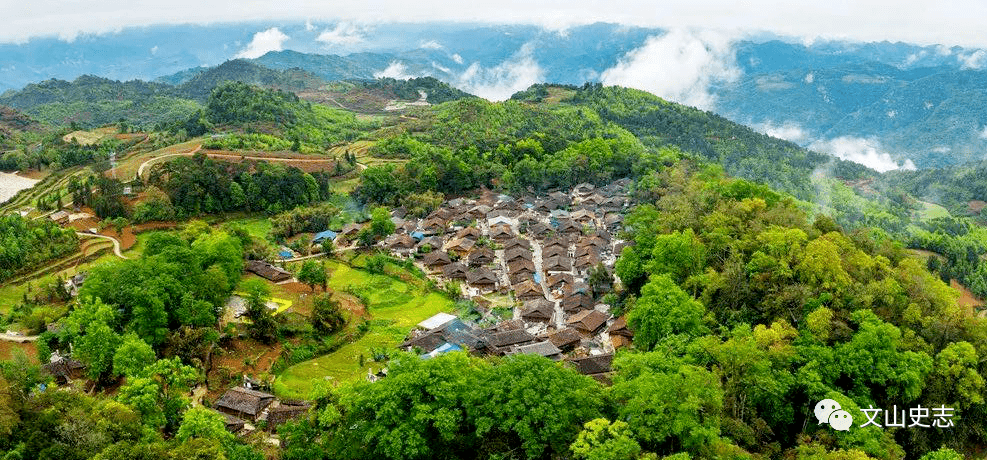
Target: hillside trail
{"type": "Point", "coordinates": [116, 242]}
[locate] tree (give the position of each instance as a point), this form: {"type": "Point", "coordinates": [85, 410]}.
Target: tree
{"type": "Point", "coordinates": [326, 316]}
{"type": "Point", "coordinates": [380, 222]}
{"type": "Point", "coordinates": [199, 422]}
{"type": "Point", "coordinates": [602, 440]}
{"type": "Point", "coordinates": [312, 273]}
{"type": "Point", "coordinates": [678, 254]}
{"type": "Point", "coordinates": [533, 400]}
{"type": "Point", "coordinates": [262, 325]}
{"type": "Point", "coordinates": [132, 356]}
{"type": "Point", "coordinates": [600, 279]}
{"type": "Point", "coordinates": [664, 310]}
{"type": "Point", "coordinates": [328, 248]}
{"type": "Point", "coordinates": [95, 342]}
{"type": "Point", "coordinates": [671, 410]}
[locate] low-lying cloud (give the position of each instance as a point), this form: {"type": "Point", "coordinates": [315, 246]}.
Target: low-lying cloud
{"type": "Point", "coordinates": [976, 60]}
{"type": "Point", "coordinates": [264, 42]}
{"type": "Point", "coordinates": [867, 152]}
{"type": "Point", "coordinates": [498, 83]}
{"type": "Point", "coordinates": [343, 34]}
{"type": "Point", "coordinates": [680, 66]}
{"type": "Point", "coordinates": [396, 70]}
{"type": "Point", "coordinates": [789, 131]}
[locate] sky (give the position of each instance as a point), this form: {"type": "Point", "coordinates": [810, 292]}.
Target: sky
{"type": "Point", "coordinates": [949, 22]}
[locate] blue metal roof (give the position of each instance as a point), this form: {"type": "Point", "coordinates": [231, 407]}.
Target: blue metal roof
{"type": "Point", "coordinates": [417, 235]}
{"type": "Point", "coordinates": [285, 254]}
{"type": "Point", "coordinates": [328, 234]}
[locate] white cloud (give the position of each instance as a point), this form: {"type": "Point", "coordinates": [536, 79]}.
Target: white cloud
{"type": "Point", "coordinates": [983, 134]}
{"type": "Point", "coordinates": [789, 131]}
{"type": "Point", "coordinates": [431, 45]}
{"type": "Point", "coordinates": [154, 49]}
{"type": "Point", "coordinates": [344, 34]}
{"type": "Point", "coordinates": [498, 83]}
{"type": "Point", "coordinates": [309, 26]}
{"type": "Point", "coordinates": [440, 68]}
{"type": "Point", "coordinates": [680, 66]}
{"type": "Point", "coordinates": [976, 60]}
{"type": "Point", "coordinates": [810, 77]}
{"type": "Point", "coordinates": [867, 152]}
{"type": "Point", "coordinates": [396, 70]}
{"type": "Point", "coordinates": [457, 58]}
{"type": "Point", "coordinates": [264, 42]}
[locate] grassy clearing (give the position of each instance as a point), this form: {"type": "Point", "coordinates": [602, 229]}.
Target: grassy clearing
{"type": "Point", "coordinates": [931, 211]}
{"type": "Point", "coordinates": [257, 227]}
{"type": "Point", "coordinates": [394, 306]}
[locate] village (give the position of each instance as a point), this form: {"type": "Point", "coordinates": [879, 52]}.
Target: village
{"type": "Point", "coordinates": [545, 259]}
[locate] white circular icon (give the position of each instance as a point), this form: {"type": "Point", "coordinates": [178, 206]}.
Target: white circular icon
{"type": "Point", "coordinates": [840, 420]}
{"type": "Point", "coordinates": [824, 408]}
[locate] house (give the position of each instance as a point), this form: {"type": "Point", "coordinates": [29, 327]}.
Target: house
{"type": "Point", "coordinates": [517, 243]}
{"type": "Point", "coordinates": [576, 302]}
{"type": "Point", "coordinates": [434, 243]}
{"type": "Point", "coordinates": [285, 411]}
{"type": "Point", "coordinates": [528, 290]}
{"type": "Point", "coordinates": [596, 242]}
{"type": "Point", "coordinates": [583, 217]}
{"type": "Point", "coordinates": [400, 243]}
{"type": "Point", "coordinates": [583, 189]}
{"type": "Point", "coordinates": [455, 271]}
{"type": "Point", "coordinates": [546, 349]}
{"type": "Point", "coordinates": [482, 277]}
{"type": "Point", "coordinates": [588, 321]}
{"type": "Point", "coordinates": [539, 229]}
{"type": "Point", "coordinates": [546, 206]}
{"type": "Point", "coordinates": [75, 282]}
{"type": "Point", "coordinates": [509, 325]}
{"type": "Point", "coordinates": [569, 226]}
{"type": "Point", "coordinates": [436, 259]}
{"type": "Point", "coordinates": [594, 199]}
{"type": "Point", "coordinates": [441, 350]}
{"type": "Point", "coordinates": [559, 281]}
{"type": "Point", "coordinates": [483, 256]}
{"type": "Point", "coordinates": [557, 241]}
{"type": "Point", "coordinates": [517, 253]}
{"type": "Point", "coordinates": [433, 226]}
{"type": "Point", "coordinates": [267, 271]}
{"type": "Point", "coordinates": [59, 217]}
{"type": "Point", "coordinates": [479, 211]}
{"type": "Point", "coordinates": [613, 221]}
{"type": "Point", "coordinates": [323, 236]}
{"type": "Point", "coordinates": [460, 245]}
{"type": "Point", "coordinates": [286, 253]}
{"type": "Point", "coordinates": [472, 233]}
{"type": "Point", "coordinates": [454, 332]}
{"type": "Point", "coordinates": [560, 198]}
{"type": "Point", "coordinates": [598, 367]}
{"type": "Point", "coordinates": [231, 423]}
{"type": "Point", "coordinates": [442, 214]}
{"type": "Point", "coordinates": [557, 264]}
{"type": "Point", "coordinates": [620, 334]}
{"type": "Point", "coordinates": [63, 369]}
{"type": "Point", "coordinates": [524, 266]}
{"type": "Point", "coordinates": [584, 263]}
{"type": "Point", "coordinates": [400, 212]}
{"type": "Point", "coordinates": [435, 321]}
{"type": "Point", "coordinates": [243, 403]}
{"type": "Point", "coordinates": [558, 214]}
{"type": "Point", "coordinates": [554, 251]}
{"type": "Point", "coordinates": [509, 338]}
{"type": "Point", "coordinates": [538, 310]}
{"type": "Point", "coordinates": [566, 339]}
{"type": "Point", "coordinates": [349, 231]}
{"type": "Point", "coordinates": [586, 250]}
{"type": "Point", "coordinates": [501, 232]}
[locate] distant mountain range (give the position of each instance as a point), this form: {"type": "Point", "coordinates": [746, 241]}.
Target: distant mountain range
{"type": "Point", "coordinates": [884, 104]}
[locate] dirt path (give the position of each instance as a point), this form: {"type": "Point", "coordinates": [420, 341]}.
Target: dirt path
{"type": "Point", "coordinates": [116, 242]}
{"type": "Point", "coordinates": [146, 163]}
{"type": "Point", "coordinates": [18, 338]}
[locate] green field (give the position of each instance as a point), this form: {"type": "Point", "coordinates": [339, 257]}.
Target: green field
{"type": "Point", "coordinates": [395, 307]}
{"type": "Point", "coordinates": [257, 227]}
{"type": "Point", "coordinates": [931, 211]}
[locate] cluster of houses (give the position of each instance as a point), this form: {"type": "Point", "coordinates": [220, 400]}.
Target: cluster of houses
{"type": "Point", "coordinates": [541, 251]}
{"type": "Point", "coordinates": [244, 406]}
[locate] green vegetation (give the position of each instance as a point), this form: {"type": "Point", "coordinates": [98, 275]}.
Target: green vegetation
{"type": "Point", "coordinates": [26, 243]}
{"type": "Point", "coordinates": [393, 306]}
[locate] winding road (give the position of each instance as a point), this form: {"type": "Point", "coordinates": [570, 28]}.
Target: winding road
{"type": "Point", "coordinates": [116, 242]}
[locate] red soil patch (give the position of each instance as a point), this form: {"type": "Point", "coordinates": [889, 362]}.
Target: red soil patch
{"type": "Point", "coordinates": [976, 206]}
{"type": "Point", "coordinates": [243, 356]}
{"type": "Point", "coordinates": [967, 299]}
{"type": "Point", "coordinates": [7, 350]}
